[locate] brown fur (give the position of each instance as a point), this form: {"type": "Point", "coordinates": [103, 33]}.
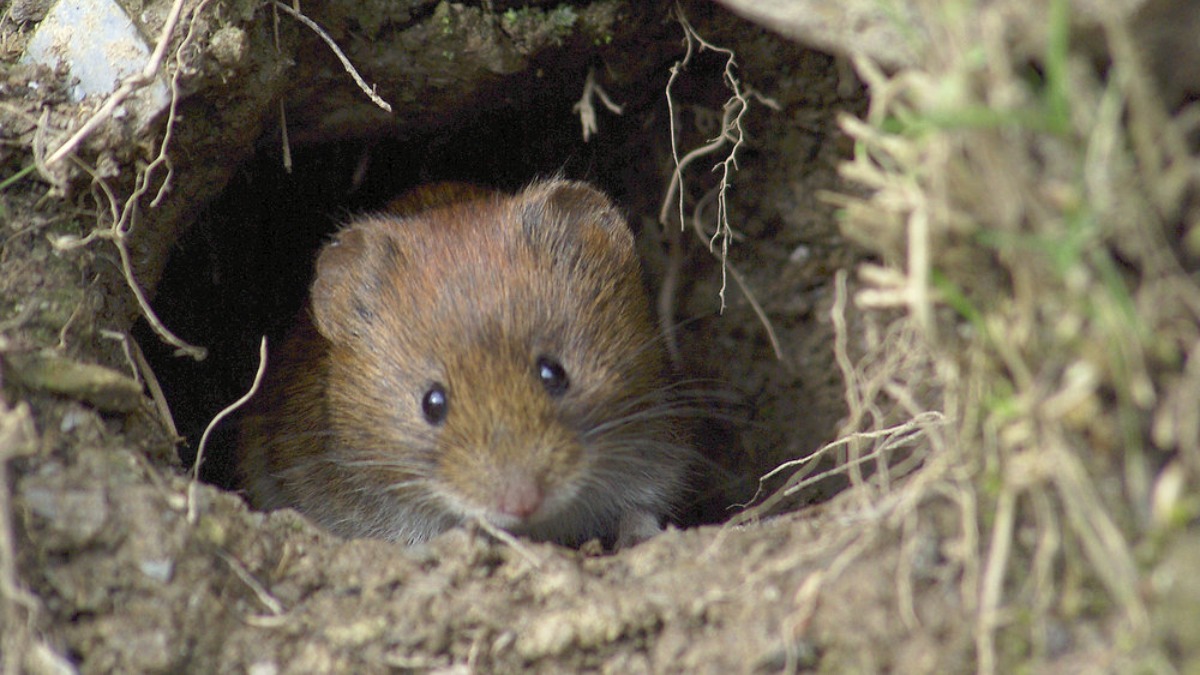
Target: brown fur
{"type": "Point", "coordinates": [469, 288]}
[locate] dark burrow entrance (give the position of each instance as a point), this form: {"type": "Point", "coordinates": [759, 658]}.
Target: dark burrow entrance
{"type": "Point", "coordinates": [242, 270]}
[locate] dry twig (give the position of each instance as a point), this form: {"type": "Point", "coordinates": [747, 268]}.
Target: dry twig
{"type": "Point", "coordinates": [587, 110]}
{"type": "Point", "coordinates": [369, 91]}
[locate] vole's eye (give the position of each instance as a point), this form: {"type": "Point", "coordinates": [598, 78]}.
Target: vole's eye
{"type": "Point", "coordinates": [553, 376]}
{"type": "Point", "coordinates": [435, 404]}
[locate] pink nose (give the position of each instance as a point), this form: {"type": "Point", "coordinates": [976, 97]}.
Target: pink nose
{"type": "Point", "coordinates": [518, 496]}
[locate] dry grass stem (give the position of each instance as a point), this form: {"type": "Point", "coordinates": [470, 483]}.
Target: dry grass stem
{"type": "Point", "coordinates": [535, 561]}
{"type": "Point", "coordinates": [284, 143]}
{"type": "Point", "coordinates": [264, 596]}
{"type": "Point", "coordinates": [1025, 230]}
{"type": "Point", "coordinates": [146, 374]}
{"type": "Point", "coordinates": [225, 412]}
{"type": "Point", "coordinates": [126, 349]}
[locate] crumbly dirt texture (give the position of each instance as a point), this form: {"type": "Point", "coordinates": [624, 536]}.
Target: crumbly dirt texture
{"type": "Point", "coordinates": [947, 293]}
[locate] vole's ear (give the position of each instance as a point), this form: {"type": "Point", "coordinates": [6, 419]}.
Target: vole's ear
{"type": "Point", "coordinates": [562, 213]}
{"type": "Point", "coordinates": [339, 295]}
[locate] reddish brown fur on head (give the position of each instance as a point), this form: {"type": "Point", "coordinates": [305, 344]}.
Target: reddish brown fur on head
{"type": "Point", "coordinates": [528, 313]}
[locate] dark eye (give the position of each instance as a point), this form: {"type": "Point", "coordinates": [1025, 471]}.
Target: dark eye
{"type": "Point", "coordinates": [435, 404]}
{"type": "Point", "coordinates": [552, 375]}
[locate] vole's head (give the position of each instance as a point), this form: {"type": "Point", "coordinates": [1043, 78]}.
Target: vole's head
{"type": "Point", "coordinates": [496, 359]}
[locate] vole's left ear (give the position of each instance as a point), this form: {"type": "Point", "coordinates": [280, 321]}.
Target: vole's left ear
{"type": "Point", "coordinates": [561, 211]}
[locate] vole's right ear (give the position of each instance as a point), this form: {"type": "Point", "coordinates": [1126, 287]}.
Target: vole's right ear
{"type": "Point", "coordinates": [338, 289]}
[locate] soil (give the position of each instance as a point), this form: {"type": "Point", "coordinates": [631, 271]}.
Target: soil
{"type": "Point", "coordinates": [116, 561]}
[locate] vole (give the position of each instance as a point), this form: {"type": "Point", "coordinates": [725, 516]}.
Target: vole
{"type": "Point", "coordinates": [473, 355]}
